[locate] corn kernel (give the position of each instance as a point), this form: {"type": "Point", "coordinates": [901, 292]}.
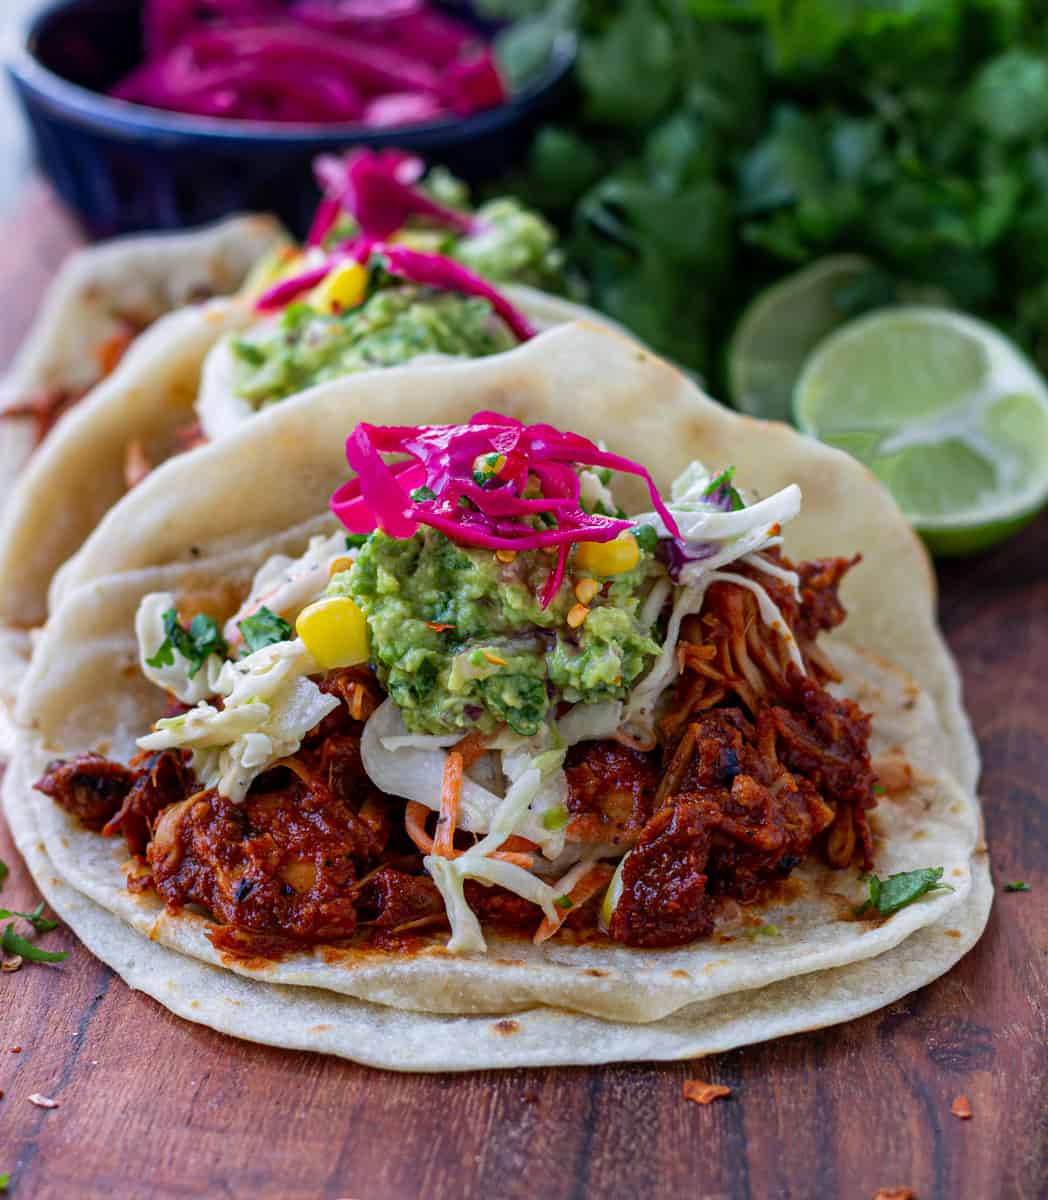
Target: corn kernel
{"type": "Point", "coordinates": [576, 615]}
{"type": "Point", "coordinates": [339, 564]}
{"type": "Point", "coordinates": [586, 590]}
{"type": "Point", "coordinates": [341, 290]}
{"type": "Point", "coordinates": [608, 558]}
{"type": "Point", "coordinates": [496, 660]}
{"type": "Point", "coordinates": [505, 556]}
{"type": "Point", "coordinates": [335, 632]}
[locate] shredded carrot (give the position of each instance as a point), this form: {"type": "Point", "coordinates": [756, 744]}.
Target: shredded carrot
{"type": "Point", "coordinates": [112, 350]}
{"type": "Point", "coordinates": [415, 815]}
{"type": "Point", "coordinates": [597, 877]}
{"type": "Point", "coordinates": [450, 791]}
{"type": "Point", "coordinates": [473, 746]}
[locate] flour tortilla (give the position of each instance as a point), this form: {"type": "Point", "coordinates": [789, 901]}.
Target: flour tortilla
{"type": "Point", "coordinates": [51, 496]}
{"type": "Point", "coordinates": [312, 1019]}
{"type": "Point", "coordinates": [142, 278]}
{"type": "Point", "coordinates": [191, 527]}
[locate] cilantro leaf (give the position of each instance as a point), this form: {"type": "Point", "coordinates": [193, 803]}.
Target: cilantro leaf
{"type": "Point", "coordinates": [889, 895]}
{"type": "Point", "coordinates": [195, 644]}
{"type": "Point", "coordinates": [423, 493]}
{"type": "Point", "coordinates": [356, 540]}
{"type": "Point", "coordinates": [264, 628]}
{"type": "Point", "coordinates": [11, 943]}
{"type": "Point", "coordinates": [564, 902]}
{"type": "Point", "coordinates": [39, 922]}
{"type": "Point", "coordinates": [1018, 886]}
{"type": "Point", "coordinates": [646, 538]}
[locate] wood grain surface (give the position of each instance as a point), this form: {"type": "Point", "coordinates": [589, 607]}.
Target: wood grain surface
{"type": "Point", "coordinates": [153, 1107]}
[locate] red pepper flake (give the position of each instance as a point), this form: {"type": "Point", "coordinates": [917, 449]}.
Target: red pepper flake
{"type": "Point", "coordinates": [903, 1193]}
{"type": "Point", "coordinates": [700, 1092]}
{"type": "Point", "coordinates": [962, 1108]}
{"type": "Point", "coordinates": [16, 1049]}
{"type": "Point", "coordinates": [437, 627]}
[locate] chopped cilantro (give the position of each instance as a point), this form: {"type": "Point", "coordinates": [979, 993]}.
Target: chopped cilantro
{"type": "Point", "coordinates": [722, 483]}
{"type": "Point", "coordinates": [12, 944]}
{"type": "Point", "coordinates": [1017, 886]}
{"type": "Point", "coordinates": [36, 918]}
{"type": "Point", "coordinates": [423, 493]}
{"type": "Point", "coordinates": [646, 538]}
{"type": "Point", "coordinates": [555, 818]}
{"type": "Point", "coordinates": [879, 789]}
{"type": "Point", "coordinates": [264, 628]}
{"type": "Point", "coordinates": [887, 896]}
{"type": "Point", "coordinates": [196, 644]}
{"type": "Point", "coordinates": [355, 540]}
{"type": "Point", "coordinates": [756, 931]}
{"type": "Point", "coordinates": [5, 1181]}
{"type": "Point", "coordinates": [564, 902]}
{"type": "Point", "coordinates": [248, 352]}
{"type": "Point", "coordinates": [4, 872]}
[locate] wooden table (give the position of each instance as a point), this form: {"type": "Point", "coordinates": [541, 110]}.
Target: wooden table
{"type": "Point", "coordinates": [154, 1107]}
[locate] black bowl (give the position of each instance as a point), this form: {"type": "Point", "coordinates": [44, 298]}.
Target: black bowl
{"type": "Point", "coordinates": [124, 167]}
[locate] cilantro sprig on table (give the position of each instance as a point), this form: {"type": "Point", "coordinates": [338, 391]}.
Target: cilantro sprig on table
{"type": "Point", "coordinates": [888, 896]}
{"type": "Point", "coordinates": [718, 144]}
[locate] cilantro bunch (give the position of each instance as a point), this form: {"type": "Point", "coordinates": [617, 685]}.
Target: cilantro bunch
{"type": "Point", "coordinates": [718, 144]}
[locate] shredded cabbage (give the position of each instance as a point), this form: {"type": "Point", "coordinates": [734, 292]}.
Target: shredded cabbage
{"type": "Point", "coordinates": [450, 875]}
{"type": "Point", "coordinates": [269, 705]}
{"type": "Point", "coordinates": [286, 585]}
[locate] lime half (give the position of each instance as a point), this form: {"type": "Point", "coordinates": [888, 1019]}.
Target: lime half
{"type": "Point", "coordinates": [781, 327]}
{"type": "Point", "coordinates": [944, 410]}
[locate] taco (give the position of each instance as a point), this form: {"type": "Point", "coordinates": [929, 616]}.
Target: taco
{"type": "Point", "coordinates": [397, 268]}
{"type": "Point", "coordinates": [473, 742]}
{"type": "Point", "coordinates": [100, 333]}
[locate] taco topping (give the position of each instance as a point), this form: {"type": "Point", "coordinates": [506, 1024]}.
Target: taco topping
{"type": "Point", "coordinates": [498, 703]}
{"type": "Point", "coordinates": [395, 266]}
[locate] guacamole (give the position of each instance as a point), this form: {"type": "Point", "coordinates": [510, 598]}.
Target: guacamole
{"type": "Point", "coordinates": [396, 324]}
{"type": "Point", "coordinates": [460, 641]}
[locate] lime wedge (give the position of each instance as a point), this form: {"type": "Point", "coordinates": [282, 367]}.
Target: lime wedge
{"type": "Point", "coordinates": [781, 327]}
{"type": "Point", "coordinates": [946, 411]}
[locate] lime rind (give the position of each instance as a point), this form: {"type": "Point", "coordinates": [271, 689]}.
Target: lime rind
{"type": "Point", "coordinates": [944, 409]}
{"type": "Point", "coordinates": [779, 330]}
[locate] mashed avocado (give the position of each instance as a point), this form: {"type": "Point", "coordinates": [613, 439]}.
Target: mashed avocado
{"type": "Point", "coordinates": [396, 324]}
{"type": "Point", "coordinates": [460, 641]}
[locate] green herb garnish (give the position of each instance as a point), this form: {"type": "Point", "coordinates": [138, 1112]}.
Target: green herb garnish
{"type": "Point", "coordinates": [264, 628]}
{"type": "Point", "coordinates": [564, 902]}
{"type": "Point", "coordinates": [5, 1181]}
{"type": "Point", "coordinates": [645, 537]}
{"type": "Point", "coordinates": [39, 922]}
{"type": "Point", "coordinates": [756, 931]}
{"type": "Point", "coordinates": [195, 644]}
{"type": "Point", "coordinates": [1017, 886]}
{"type": "Point", "coordinates": [11, 943]}
{"type": "Point", "coordinates": [723, 483]}
{"type": "Point", "coordinates": [355, 540]}
{"type": "Point", "coordinates": [423, 493]}
{"type": "Point", "coordinates": [887, 896]}
{"type": "Point", "coordinates": [555, 818]}
{"type": "Point", "coordinates": [4, 872]}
